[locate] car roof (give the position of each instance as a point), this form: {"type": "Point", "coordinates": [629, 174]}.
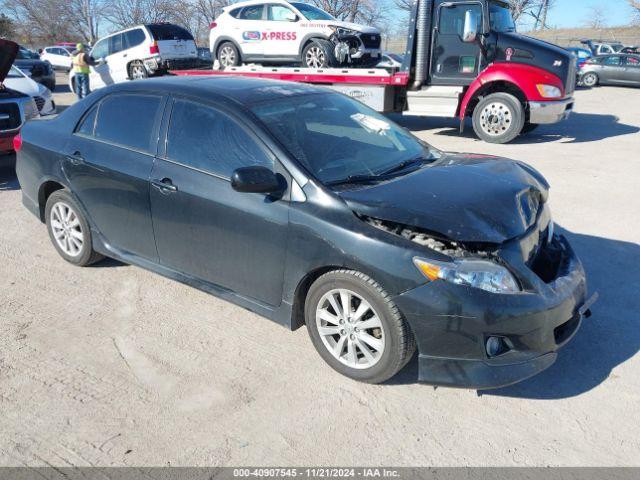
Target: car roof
{"type": "Point", "coordinates": [249, 3]}
{"type": "Point", "coordinates": [243, 91]}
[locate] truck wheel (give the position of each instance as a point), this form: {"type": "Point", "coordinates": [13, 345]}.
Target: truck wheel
{"type": "Point", "coordinates": [356, 328]}
{"type": "Point", "coordinates": [228, 55]}
{"type": "Point", "coordinates": [319, 54]}
{"type": "Point", "coordinates": [69, 230]}
{"type": "Point", "coordinates": [590, 80]}
{"type": "Point", "coordinates": [498, 118]}
{"type": "Point", "coordinates": [137, 71]}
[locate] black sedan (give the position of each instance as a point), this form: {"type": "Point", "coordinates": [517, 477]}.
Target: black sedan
{"type": "Point", "coordinates": [307, 207]}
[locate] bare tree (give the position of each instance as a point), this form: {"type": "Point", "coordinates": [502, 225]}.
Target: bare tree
{"type": "Point", "coordinates": [126, 13]}
{"type": "Point", "coordinates": [404, 4]}
{"type": "Point", "coordinates": [364, 11]}
{"type": "Point", "coordinates": [635, 6]}
{"type": "Point", "coordinates": [7, 29]}
{"type": "Point", "coordinates": [597, 17]}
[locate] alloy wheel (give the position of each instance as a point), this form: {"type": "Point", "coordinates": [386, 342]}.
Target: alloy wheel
{"type": "Point", "coordinates": [315, 57]}
{"type": "Point", "coordinates": [67, 229]}
{"type": "Point", "coordinates": [350, 329]}
{"type": "Point", "coordinates": [496, 118]}
{"type": "Point", "coordinates": [590, 80]}
{"type": "Point", "coordinates": [137, 72]}
{"type": "Point", "coordinates": [227, 56]}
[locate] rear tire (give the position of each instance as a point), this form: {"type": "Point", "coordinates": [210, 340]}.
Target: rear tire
{"type": "Point", "coordinates": [228, 55]}
{"type": "Point", "coordinates": [498, 118]}
{"type": "Point", "coordinates": [369, 341]}
{"type": "Point", "coordinates": [69, 230]}
{"type": "Point", "coordinates": [137, 71]}
{"type": "Point", "coordinates": [590, 80]}
{"type": "Point", "coordinates": [319, 53]}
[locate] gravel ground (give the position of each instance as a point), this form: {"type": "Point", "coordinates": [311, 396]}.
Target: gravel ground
{"type": "Point", "coordinates": [113, 365]}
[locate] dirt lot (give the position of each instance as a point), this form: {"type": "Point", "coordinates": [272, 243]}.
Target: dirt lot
{"type": "Point", "coordinates": [113, 365]}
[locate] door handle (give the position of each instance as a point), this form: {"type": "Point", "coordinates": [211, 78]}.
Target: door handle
{"type": "Point", "coordinates": [165, 185]}
{"type": "Point", "coordinates": [125, 55]}
{"type": "Point", "coordinates": [76, 158]}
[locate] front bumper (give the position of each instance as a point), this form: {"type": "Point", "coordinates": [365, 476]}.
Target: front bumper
{"type": "Point", "coordinates": [451, 324]}
{"type": "Point", "coordinates": [551, 111]}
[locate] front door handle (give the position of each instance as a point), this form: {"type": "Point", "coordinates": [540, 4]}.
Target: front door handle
{"type": "Point", "coordinates": [76, 158]}
{"type": "Point", "coordinates": [165, 185]}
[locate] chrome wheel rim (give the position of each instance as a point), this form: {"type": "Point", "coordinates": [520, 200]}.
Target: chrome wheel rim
{"type": "Point", "coordinates": [227, 56]}
{"type": "Point", "coordinates": [589, 80]}
{"type": "Point", "coordinates": [350, 329]}
{"type": "Point", "coordinates": [67, 230]}
{"type": "Point", "coordinates": [137, 72]}
{"type": "Point", "coordinates": [315, 57]}
{"type": "Point", "coordinates": [496, 119]}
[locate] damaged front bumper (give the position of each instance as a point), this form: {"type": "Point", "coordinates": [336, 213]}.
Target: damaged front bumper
{"type": "Point", "coordinates": [453, 324]}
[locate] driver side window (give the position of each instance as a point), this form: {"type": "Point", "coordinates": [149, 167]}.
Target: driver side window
{"type": "Point", "coordinates": [279, 13]}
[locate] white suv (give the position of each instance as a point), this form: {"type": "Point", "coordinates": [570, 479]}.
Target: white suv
{"type": "Point", "coordinates": [281, 32]}
{"type": "Point", "coordinates": [140, 52]}
{"type": "Point", "coordinates": [57, 56]}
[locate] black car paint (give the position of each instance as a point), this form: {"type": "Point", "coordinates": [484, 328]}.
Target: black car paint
{"type": "Point", "coordinates": [273, 247]}
{"type": "Point", "coordinates": [38, 70]}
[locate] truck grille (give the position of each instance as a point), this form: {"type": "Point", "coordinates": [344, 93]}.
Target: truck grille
{"type": "Point", "coordinates": [571, 79]}
{"type": "Point", "coordinates": [39, 102]}
{"type": "Point", "coordinates": [371, 41]}
{"type": "Point", "coordinates": [13, 112]}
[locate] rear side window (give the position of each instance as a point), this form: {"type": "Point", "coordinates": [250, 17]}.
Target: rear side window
{"type": "Point", "coordinates": [88, 122]}
{"type": "Point", "coordinates": [204, 138]}
{"type": "Point", "coordinates": [253, 12]}
{"type": "Point", "coordinates": [116, 44]}
{"type": "Point", "coordinates": [128, 120]}
{"type": "Point", "coordinates": [235, 13]}
{"type": "Point", "coordinates": [134, 38]}
{"type": "Point", "coordinates": [161, 32]}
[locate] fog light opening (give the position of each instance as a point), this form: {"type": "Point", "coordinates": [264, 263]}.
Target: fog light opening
{"type": "Point", "coordinates": [496, 346]}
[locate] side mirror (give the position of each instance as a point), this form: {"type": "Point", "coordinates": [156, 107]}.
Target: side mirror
{"type": "Point", "coordinates": [471, 21]}
{"type": "Point", "coordinates": [255, 180]}
{"type": "Point", "coordinates": [291, 17]}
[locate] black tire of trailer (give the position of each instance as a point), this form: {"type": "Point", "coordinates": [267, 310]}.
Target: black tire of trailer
{"type": "Point", "coordinates": [515, 119]}
{"type": "Point", "coordinates": [327, 48]}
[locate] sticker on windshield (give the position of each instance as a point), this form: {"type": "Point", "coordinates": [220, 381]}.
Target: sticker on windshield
{"type": "Point", "coordinates": [371, 124]}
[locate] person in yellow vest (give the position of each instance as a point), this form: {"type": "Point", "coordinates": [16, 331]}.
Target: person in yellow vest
{"type": "Point", "coordinates": [81, 63]}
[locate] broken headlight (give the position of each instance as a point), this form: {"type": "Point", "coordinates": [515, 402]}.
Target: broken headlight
{"type": "Point", "coordinates": [482, 274]}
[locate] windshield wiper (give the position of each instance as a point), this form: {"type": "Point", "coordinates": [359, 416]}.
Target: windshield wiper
{"type": "Point", "coordinates": [403, 165]}
{"type": "Point", "coordinates": [355, 179]}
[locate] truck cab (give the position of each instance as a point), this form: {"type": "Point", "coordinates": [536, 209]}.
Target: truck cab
{"type": "Point", "coordinates": [466, 59]}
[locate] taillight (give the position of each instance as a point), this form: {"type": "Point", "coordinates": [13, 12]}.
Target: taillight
{"type": "Point", "coordinates": [17, 142]}
{"type": "Point", "coordinates": [153, 49]}
{"type": "Point", "coordinates": [213, 25]}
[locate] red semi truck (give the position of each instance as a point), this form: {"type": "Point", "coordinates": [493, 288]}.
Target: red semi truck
{"type": "Point", "coordinates": [463, 59]}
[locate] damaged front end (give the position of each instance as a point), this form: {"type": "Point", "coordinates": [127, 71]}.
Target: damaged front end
{"type": "Point", "coordinates": [356, 48]}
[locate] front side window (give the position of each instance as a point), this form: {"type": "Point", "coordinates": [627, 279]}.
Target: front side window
{"type": "Point", "coordinates": [253, 12]}
{"type": "Point", "coordinates": [279, 13]}
{"type": "Point", "coordinates": [312, 13]}
{"type": "Point", "coordinates": [611, 61]}
{"type": "Point", "coordinates": [500, 18]}
{"type": "Point", "coordinates": [101, 49]}
{"type": "Point", "coordinates": [204, 138]}
{"type": "Point", "coordinates": [633, 61]}
{"type": "Point", "coordinates": [452, 19]}
{"type": "Point", "coordinates": [335, 137]}
{"type": "Point", "coordinates": [128, 120]}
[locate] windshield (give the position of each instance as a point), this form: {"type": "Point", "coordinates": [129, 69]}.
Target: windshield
{"type": "Point", "coordinates": [312, 13]}
{"type": "Point", "coordinates": [15, 73]}
{"type": "Point", "coordinates": [337, 138]}
{"type": "Point", "coordinates": [500, 18]}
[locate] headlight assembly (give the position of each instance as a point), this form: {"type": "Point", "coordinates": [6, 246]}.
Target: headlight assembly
{"type": "Point", "coordinates": [482, 274]}
{"type": "Point", "coordinates": [549, 91]}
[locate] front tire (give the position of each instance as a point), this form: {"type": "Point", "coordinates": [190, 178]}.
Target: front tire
{"type": "Point", "coordinates": [228, 55]}
{"type": "Point", "coordinates": [498, 118]}
{"type": "Point", "coordinates": [69, 230]}
{"type": "Point", "coordinates": [319, 53]}
{"type": "Point", "coordinates": [356, 328]}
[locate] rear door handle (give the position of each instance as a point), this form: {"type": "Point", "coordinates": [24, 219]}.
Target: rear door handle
{"type": "Point", "coordinates": [165, 185]}
{"type": "Point", "coordinates": [76, 158]}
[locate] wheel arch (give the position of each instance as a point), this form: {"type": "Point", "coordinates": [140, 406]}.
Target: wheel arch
{"type": "Point", "coordinates": [310, 37]}
{"type": "Point", "coordinates": [301, 291]}
{"type": "Point", "coordinates": [225, 39]}
{"type": "Point", "coordinates": [44, 192]}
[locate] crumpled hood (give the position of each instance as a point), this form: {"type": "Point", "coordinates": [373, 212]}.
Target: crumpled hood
{"type": "Point", "coordinates": [8, 52]}
{"type": "Point", "coordinates": [348, 25]}
{"type": "Point", "coordinates": [464, 198]}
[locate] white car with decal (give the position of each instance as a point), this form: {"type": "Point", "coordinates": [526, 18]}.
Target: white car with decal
{"type": "Point", "coordinates": [281, 32]}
